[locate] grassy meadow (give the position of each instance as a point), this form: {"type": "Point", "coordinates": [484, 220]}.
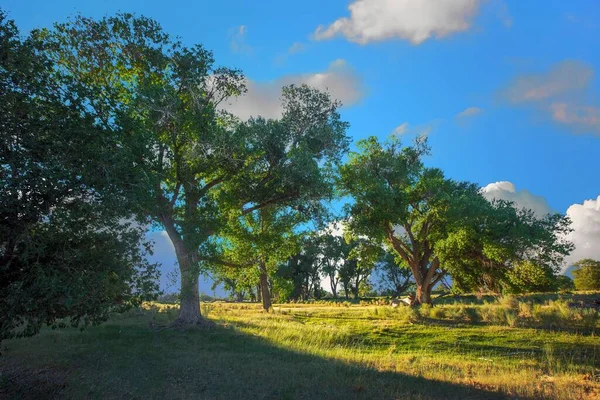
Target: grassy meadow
{"type": "Point", "coordinates": [532, 347]}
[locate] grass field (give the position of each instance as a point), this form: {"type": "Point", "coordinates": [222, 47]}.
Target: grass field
{"type": "Point", "coordinates": [464, 349]}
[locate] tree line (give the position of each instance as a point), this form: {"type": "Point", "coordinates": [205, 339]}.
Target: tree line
{"type": "Point", "coordinates": [111, 126]}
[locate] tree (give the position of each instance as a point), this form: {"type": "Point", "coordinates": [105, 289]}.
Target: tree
{"type": "Point", "coordinates": [359, 258]}
{"type": "Point", "coordinates": [439, 226]}
{"type": "Point", "coordinates": [68, 253]}
{"type": "Point", "coordinates": [191, 166]}
{"type": "Point", "coordinates": [331, 248]}
{"type": "Point", "coordinates": [564, 283]}
{"type": "Point", "coordinates": [587, 274]}
{"type": "Point", "coordinates": [261, 241]}
{"type": "Point", "coordinates": [395, 274]}
{"type": "Point", "coordinates": [528, 276]}
{"type": "Point", "coordinates": [303, 269]}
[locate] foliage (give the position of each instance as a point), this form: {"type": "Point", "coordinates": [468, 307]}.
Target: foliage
{"type": "Point", "coordinates": [587, 274]}
{"type": "Point", "coordinates": [192, 167]}
{"type": "Point", "coordinates": [439, 226]}
{"type": "Point", "coordinates": [69, 252]}
{"type": "Point", "coordinates": [528, 276]}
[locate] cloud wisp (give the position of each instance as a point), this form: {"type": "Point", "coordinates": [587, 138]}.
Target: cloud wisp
{"type": "Point", "coordinates": [237, 40]}
{"type": "Point", "coordinates": [561, 94]}
{"type": "Point", "coordinates": [469, 112]}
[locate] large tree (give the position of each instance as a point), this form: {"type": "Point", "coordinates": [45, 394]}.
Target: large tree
{"type": "Point", "coordinates": [191, 165]}
{"type": "Point", "coordinates": [69, 253]}
{"type": "Point", "coordinates": [439, 226]}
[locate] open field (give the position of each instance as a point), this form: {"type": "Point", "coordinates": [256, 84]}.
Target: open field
{"type": "Point", "coordinates": [532, 348]}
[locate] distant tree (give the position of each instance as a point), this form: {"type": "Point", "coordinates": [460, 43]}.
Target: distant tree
{"type": "Point", "coordinates": [587, 274]}
{"type": "Point", "coordinates": [331, 254]}
{"type": "Point", "coordinates": [69, 252]}
{"type": "Point", "coordinates": [261, 241]}
{"type": "Point", "coordinates": [359, 259]}
{"type": "Point", "coordinates": [528, 276]}
{"type": "Point", "coordinates": [396, 277]}
{"type": "Point", "coordinates": [564, 283]}
{"type": "Point", "coordinates": [439, 226]}
{"type": "Point", "coordinates": [192, 166]}
{"type": "Point", "coordinates": [303, 268]}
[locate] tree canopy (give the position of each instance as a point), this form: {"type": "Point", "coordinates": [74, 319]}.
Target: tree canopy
{"type": "Point", "coordinates": [193, 167]}
{"type": "Point", "coordinates": [439, 226]}
{"type": "Point", "coordinates": [70, 251]}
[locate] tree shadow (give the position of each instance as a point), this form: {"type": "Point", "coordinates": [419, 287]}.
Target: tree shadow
{"type": "Point", "coordinates": [131, 361]}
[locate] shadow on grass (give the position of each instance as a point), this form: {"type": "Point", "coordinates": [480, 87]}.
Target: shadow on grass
{"type": "Point", "coordinates": [125, 359]}
{"type": "Point", "coordinates": [561, 355]}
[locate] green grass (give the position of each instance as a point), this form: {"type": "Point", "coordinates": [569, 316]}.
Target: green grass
{"type": "Point", "coordinates": [309, 351]}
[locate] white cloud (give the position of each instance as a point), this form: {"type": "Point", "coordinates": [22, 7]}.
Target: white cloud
{"type": "Point", "coordinates": [263, 98]}
{"type": "Point", "coordinates": [237, 38]}
{"type": "Point", "coordinates": [560, 94]}
{"type": "Point", "coordinates": [412, 20]}
{"type": "Point", "coordinates": [469, 112]}
{"type": "Point", "coordinates": [585, 221]}
{"type": "Point", "coordinates": [523, 198]}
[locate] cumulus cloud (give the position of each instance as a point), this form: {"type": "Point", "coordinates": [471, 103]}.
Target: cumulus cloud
{"type": "Point", "coordinates": [559, 93]}
{"type": "Point", "coordinates": [585, 221]}
{"type": "Point", "coordinates": [412, 20]}
{"type": "Point", "coordinates": [469, 112]}
{"type": "Point", "coordinates": [505, 190]}
{"type": "Point", "coordinates": [263, 98]}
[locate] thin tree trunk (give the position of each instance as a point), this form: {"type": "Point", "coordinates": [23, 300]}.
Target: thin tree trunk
{"type": "Point", "coordinates": [264, 286]}
{"type": "Point", "coordinates": [333, 286]}
{"type": "Point", "coordinates": [258, 293]}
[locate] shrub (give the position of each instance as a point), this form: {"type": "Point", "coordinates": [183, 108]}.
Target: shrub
{"type": "Point", "coordinates": [437, 313]}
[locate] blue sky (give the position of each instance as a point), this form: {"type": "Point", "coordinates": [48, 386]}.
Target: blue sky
{"type": "Point", "coordinates": [523, 73]}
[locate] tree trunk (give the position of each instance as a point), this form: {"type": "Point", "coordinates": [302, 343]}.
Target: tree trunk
{"type": "Point", "coordinates": [189, 306]}
{"type": "Point", "coordinates": [264, 286]}
{"type": "Point", "coordinates": [333, 287]}
{"type": "Point", "coordinates": [423, 295]}
{"type": "Point", "coordinates": [258, 293]}
{"type": "Point", "coordinates": [189, 296]}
